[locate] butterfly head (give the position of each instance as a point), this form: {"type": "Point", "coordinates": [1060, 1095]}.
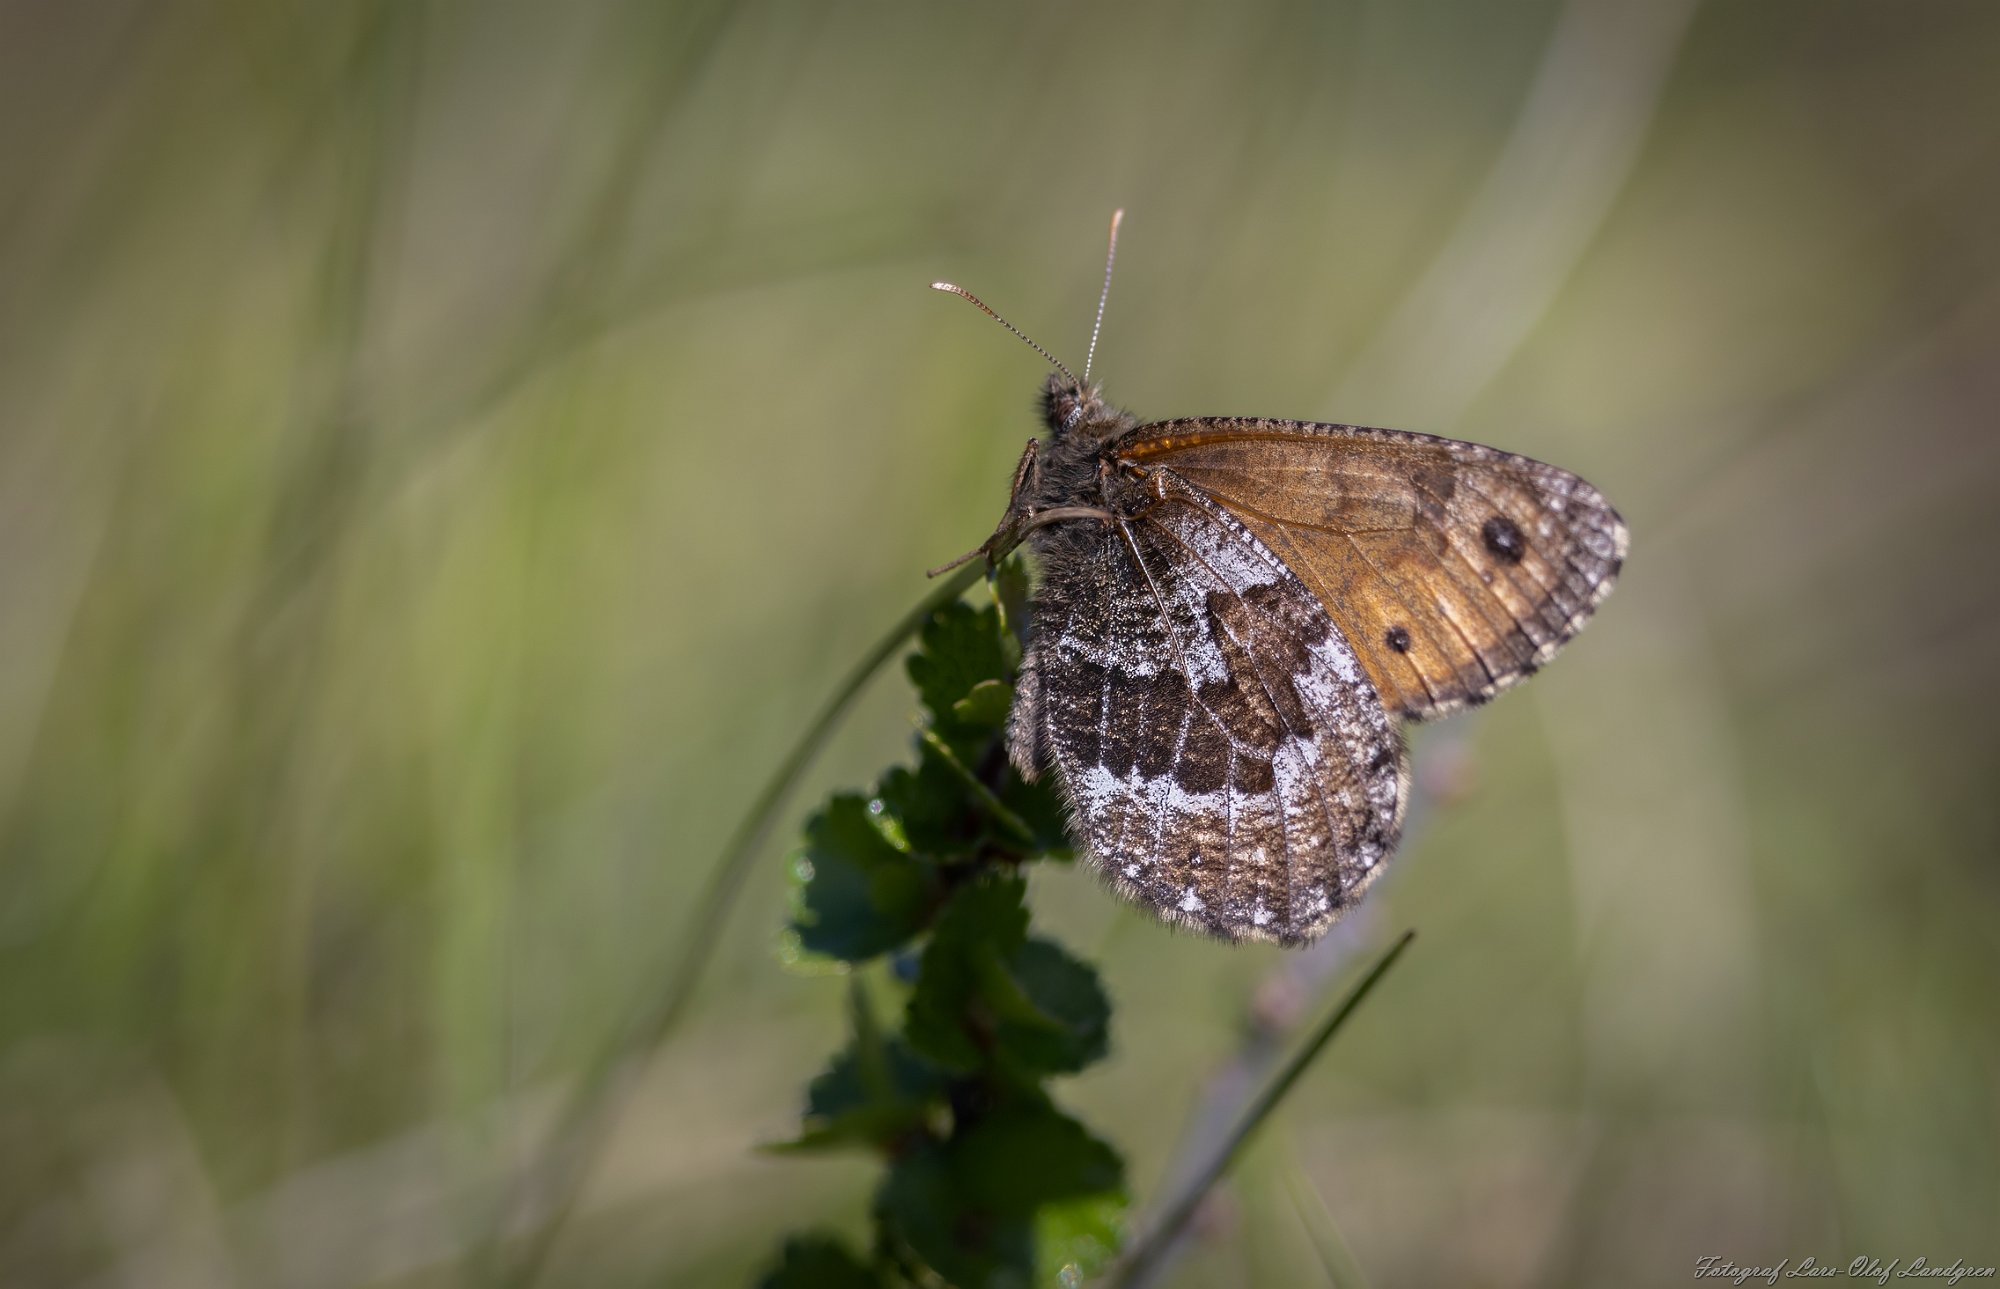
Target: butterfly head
{"type": "Point", "coordinates": [1071, 407]}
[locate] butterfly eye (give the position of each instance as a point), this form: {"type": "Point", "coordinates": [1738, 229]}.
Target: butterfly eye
{"type": "Point", "coordinates": [1063, 406]}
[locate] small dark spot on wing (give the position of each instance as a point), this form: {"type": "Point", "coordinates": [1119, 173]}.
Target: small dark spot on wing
{"type": "Point", "coordinates": [1503, 537]}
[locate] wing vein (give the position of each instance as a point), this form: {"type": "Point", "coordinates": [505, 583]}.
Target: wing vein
{"type": "Point", "coordinates": [1305, 552]}
{"type": "Point", "coordinates": [1284, 822]}
{"type": "Point", "coordinates": [1318, 778]}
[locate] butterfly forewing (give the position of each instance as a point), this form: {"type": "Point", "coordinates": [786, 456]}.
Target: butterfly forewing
{"type": "Point", "coordinates": [1226, 755]}
{"type": "Point", "coordinates": [1453, 569]}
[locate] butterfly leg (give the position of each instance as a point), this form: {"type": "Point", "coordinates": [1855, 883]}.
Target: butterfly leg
{"type": "Point", "coordinates": [1022, 517]}
{"type": "Point", "coordinates": [1015, 523]}
{"type": "Point", "coordinates": [1126, 490]}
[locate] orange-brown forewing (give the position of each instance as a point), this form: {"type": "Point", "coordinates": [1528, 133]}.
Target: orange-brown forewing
{"type": "Point", "coordinates": [1454, 569]}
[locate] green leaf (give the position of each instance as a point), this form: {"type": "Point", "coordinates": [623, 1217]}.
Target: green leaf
{"type": "Point", "coordinates": [949, 1018]}
{"type": "Point", "coordinates": [986, 703]}
{"type": "Point", "coordinates": [1040, 806]}
{"type": "Point", "coordinates": [988, 997]}
{"type": "Point", "coordinates": [1027, 1154]}
{"type": "Point", "coordinates": [1073, 1029]}
{"type": "Point", "coordinates": [1011, 596]}
{"type": "Point", "coordinates": [856, 1101]}
{"type": "Point", "coordinates": [819, 1262]}
{"type": "Point", "coordinates": [1077, 1240]}
{"type": "Point", "coordinates": [960, 647]}
{"type": "Point", "coordinates": [1021, 1184]}
{"type": "Point", "coordinates": [920, 1205]}
{"type": "Point", "coordinates": [876, 1093]}
{"type": "Point", "coordinates": [930, 805]}
{"type": "Point", "coordinates": [859, 894]}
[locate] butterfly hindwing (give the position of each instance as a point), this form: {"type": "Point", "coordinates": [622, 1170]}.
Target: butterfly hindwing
{"type": "Point", "coordinates": [1454, 569]}
{"type": "Point", "coordinates": [1224, 752]}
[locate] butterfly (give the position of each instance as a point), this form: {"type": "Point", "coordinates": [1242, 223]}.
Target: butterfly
{"type": "Point", "coordinates": [1234, 617]}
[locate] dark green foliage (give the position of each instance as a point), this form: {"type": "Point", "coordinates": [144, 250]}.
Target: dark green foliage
{"type": "Point", "coordinates": [819, 1262]}
{"type": "Point", "coordinates": [924, 802]}
{"type": "Point", "coordinates": [985, 705]}
{"type": "Point", "coordinates": [876, 872]}
{"type": "Point", "coordinates": [1017, 1157]}
{"type": "Point", "coordinates": [961, 650]}
{"type": "Point", "coordinates": [863, 894]}
{"type": "Point", "coordinates": [988, 1183]}
{"type": "Point", "coordinates": [988, 997]}
{"type": "Point", "coordinates": [1010, 597]}
{"type": "Point", "coordinates": [876, 1093]}
{"type": "Point", "coordinates": [1038, 806]}
{"type": "Point", "coordinates": [967, 1205]}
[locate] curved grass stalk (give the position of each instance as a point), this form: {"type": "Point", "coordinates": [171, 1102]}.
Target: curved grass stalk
{"type": "Point", "coordinates": [1144, 1258]}
{"type": "Point", "coordinates": [553, 1179]}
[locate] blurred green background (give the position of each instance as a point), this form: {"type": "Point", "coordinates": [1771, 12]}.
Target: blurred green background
{"type": "Point", "coordinates": [446, 450]}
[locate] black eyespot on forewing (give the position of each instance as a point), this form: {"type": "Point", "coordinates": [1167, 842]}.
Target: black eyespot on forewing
{"type": "Point", "coordinates": [1503, 537]}
{"type": "Point", "coordinates": [1398, 639]}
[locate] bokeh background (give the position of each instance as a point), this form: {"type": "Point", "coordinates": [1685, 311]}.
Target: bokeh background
{"type": "Point", "coordinates": [447, 450]}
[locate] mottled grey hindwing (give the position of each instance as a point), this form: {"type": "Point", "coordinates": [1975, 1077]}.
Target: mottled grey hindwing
{"type": "Point", "coordinates": [1226, 759]}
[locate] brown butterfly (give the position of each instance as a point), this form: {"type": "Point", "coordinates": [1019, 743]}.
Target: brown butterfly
{"type": "Point", "coordinates": [1234, 615]}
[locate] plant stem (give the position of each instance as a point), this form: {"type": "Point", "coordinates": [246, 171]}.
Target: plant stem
{"type": "Point", "coordinates": [986, 797]}
{"type": "Point", "coordinates": [556, 1175]}
{"type": "Point", "coordinates": [1140, 1261]}
{"type": "Point", "coordinates": [1335, 1258]}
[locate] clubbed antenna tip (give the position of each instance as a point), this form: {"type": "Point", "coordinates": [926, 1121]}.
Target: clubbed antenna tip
{"type": "Point", "coordinates": [1110, 258]}
{"type": "Point", "coordinates": [964, 294]}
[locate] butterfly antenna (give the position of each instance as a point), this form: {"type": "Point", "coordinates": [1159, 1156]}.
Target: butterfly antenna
{"type": "Point", "coordinates": [1110, 258]}
{"type": "Point", "coordinates": [964, 294]}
